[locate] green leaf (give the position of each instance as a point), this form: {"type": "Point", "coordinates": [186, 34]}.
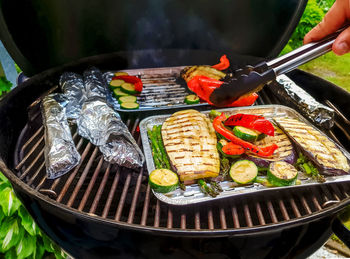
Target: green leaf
{"type": "Point", "coordinates": [26, 246]}
{"type": "Point", "coordinates": [27, 222]}
{"type": "Point", "coordinates": [2, 216]}
{"type": "Point", "coordinates": [40, 249]}
{"type": "Point", "coordinates": [48, 244]}
{"type": "Point", "coordinates": [13, 235]}
{"type": "Point", "coordinates": [8, 201]}
{"type": "Point", "coordinates": [3, 179]}
{"type": "Point", "coordinates": [11, 254]}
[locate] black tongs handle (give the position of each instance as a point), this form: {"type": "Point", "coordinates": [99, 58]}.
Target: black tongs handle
{"type": "Point", "coordinates": [303, 54]}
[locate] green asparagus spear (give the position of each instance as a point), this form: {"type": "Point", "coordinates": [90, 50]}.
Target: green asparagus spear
{"type": "Point", "coordinates": [155, 152]}
{"type": "Point", "coordinates": [206, 189]}
{"type": "Point", "coordinates": [161, 146]}
{"type": "Point", "coordinates": [216, 186]}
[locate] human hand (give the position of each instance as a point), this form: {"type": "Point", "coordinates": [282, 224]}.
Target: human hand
{"type": "Point", "coordinates": [337, 15]}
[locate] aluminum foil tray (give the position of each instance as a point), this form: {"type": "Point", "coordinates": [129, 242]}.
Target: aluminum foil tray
{"type": "Point", "coordinates": [193, 194]}
{"type": "Point", "coordinates": [162, 89]}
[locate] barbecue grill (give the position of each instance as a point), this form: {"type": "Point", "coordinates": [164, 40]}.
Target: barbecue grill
{"type": "Point", "coordinates": [99, 209]}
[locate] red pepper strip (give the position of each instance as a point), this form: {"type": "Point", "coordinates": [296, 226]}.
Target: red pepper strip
{"type": "Point", "coordinates": [251, 121]}
{"type": "Point", "coordinates": [203, 86]}
{"type": "Point", "coordinates": [224, 63]}
{"type": "Point", "coordinates": [263, 152]}
{"type": "Point", "coordinates": [233, 149]}
{"type": "Point", "coordinates": [132, 80]}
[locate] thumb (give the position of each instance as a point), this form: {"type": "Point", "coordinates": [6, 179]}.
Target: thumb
{"type": "Point", "coordinates": [341, 45]}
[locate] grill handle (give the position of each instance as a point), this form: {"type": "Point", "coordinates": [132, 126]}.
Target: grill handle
{"type": "Point", "coordinates": [303, 54]}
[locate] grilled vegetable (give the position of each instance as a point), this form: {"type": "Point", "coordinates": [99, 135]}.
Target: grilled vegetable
{"type": "Point", "coordinates": [233, 149]}
{"type": "Point", "coordinates": [158, 134]}
{"type": "Point", "coordinates": [163, 180]}
{"type": "Point", "coordinates": [121, 74]}
{"type": "Point", "coordinates": [243, 172]}
{"type": "Point", "coordinates": [128, 88]}
{"type": "Point", "coordinates": [132, 80]}
{"type": "Point", "coordinates": [129, 105]}
{"type": "Point", "coordinates": [221, 143]}
{"type": "Point", "coordinates": [260, 151]}
{"type": "Point", "coordinates": [191, 99]}
{"type": "Point", "coordinates": [282, 174]}
{"type": "Point", "coordinates": [190, 142]}
{"type": "Point", "coordinates": [326, 156]}
{"type": "Point", "coordinates": [251, 121]}
{"type": "Point", "coordinates": [285, 151]}
{"type": "Point", "coordinates": [245, 133]}
{"type": "Point", "coordinates": [118, 93]}
{"type": "Point", "coordinates": [307, 167]}
{"type": "Point", "coordinates": [127, 99]}
{"type": "Point", "coordinates": [224, 63]}
{"type": "Point", "coordinates": [189, 72]}
{"type": "Point", "coordinates": [206, 189]}
{"type": "Point", "coordinates": [116, 83]}
{"type": "Point", "coordinates": [203, 86]}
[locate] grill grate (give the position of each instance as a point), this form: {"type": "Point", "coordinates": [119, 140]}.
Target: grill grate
{"type": "Point", "coordinates": [124, 196]}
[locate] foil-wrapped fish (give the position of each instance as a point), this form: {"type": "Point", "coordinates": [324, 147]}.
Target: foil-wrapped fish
{"type": "Point", "coordinates": [290, 93]}
{"type": "Point", "coordinates": [73, 89]}
{"type": "Point", "coordinates": [327, 157]}
{"type": "Point", "coordinates": [103, 127]}
{"type": "Point", "coordinates": [60, 152]}
{"type": "Point", "coordinates": [95, 84]}
{"type": "Point", "coordinates": [190, 142]}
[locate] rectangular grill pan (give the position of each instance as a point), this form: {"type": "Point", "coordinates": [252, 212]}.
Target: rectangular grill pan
{"type": "Point", "coordinates": [193, 194]}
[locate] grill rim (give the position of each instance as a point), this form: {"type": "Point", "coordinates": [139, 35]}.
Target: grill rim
{"type": "Point", "coordinates": [242, 231]}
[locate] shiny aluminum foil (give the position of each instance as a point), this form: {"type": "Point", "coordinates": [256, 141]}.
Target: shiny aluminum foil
{"type": "Point", "coordinates": [95, 83]}
{"type": "Point", "coordinates": [290, 93]}
{"type": "Point", "coordinates": [73, 89]}
{"type": "Point", "coordinates": [103, 127]}
{"type": "Point", "coordinates": [60, 152]}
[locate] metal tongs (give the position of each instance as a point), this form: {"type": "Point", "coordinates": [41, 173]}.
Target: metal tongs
{"type": "Point", "coordinates": [253, 78]}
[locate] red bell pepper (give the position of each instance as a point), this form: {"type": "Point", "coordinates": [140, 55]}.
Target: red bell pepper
{"type": "Point", "coordinates": [233, 149]}
{"type": "Point", "coordinates": [259, 151]}
{"type": "Point", "coordinates": [132, 80]}
{"type": "Point", "coordinates": [251, 121]}
{"type": "Point", "coordinates": [203, 86]}
{"type": "Point", "coordinates": [224, 63]}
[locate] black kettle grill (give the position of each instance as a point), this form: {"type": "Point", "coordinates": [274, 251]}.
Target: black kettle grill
{"type": "Point", "coordinates": [102, 210]}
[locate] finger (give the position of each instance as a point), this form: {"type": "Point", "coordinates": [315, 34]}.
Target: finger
{"type": "Point", "coordinates": [341, 45]}
{"type": "Point", "coordinates": [332, 21]}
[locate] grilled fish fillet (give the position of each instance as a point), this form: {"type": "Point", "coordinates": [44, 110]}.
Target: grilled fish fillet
{"type": "Point", "coordinates": [323, 151]}
{"type": "Point", "coordinates": [190, 142]}
{"type": "Point", "coordinates": [189, 72]}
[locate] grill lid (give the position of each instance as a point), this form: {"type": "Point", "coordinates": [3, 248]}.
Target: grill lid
{"type": "Point", "coordinates": [51, 33]}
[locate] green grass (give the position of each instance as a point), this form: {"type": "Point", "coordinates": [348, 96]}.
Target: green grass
{"type": "Point", "coordinates": [331, 67]}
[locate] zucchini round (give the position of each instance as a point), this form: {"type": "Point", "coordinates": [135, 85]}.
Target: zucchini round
{"type": "Point", "coordinates": [281, 173]}
{"type": "Point", "coordinates": [163, 180]}
{"type": "Point", "coordinates": [121, 74]}
{"type": "Point", "coordinates": [118, 93]}
{"type": "Point", "coordinates": [128, 88]}
{"type": "Point", "coordinates": [129, 105]}
{"type": "Point", "coordinates": [243, 172]}
{"type": "Point", "coordinates": [245, 133]}
{"type": "Point", "coordinates": [127, 99]}
{"type": "Point", "coordinates": [116, 83]}
{"type": "Point", "coordinates": [191, 99]}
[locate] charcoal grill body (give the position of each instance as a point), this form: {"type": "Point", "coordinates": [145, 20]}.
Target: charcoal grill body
{"type": "Point", "coordinates": [88, 236]}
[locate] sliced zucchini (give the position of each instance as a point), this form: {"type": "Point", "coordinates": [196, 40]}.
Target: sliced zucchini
{"type": "Point", "coordinates": [118, 93]}
{"type": "Point", "coordinates": [163, 180]}
{"type": "Point", "coordinates": [129, 106]}
{"type": "Point", "coordinates": [243, 172]}
{"type": "Point", "coordinates": [245, 133]}
{"type": "Point", "coordinates": [191, 99]}
{"type": "Point", "coordinates": [127, 99]}
{"type": "Point", "coordinates": [281, 173]}
{"type": "Point", "coordinates": [129, 88]}
{"type": "Point", "coordinates": [121, 74]}
{"type": "Point", "coordinates": [116, 83]}
{"type": "Point", "coordinates": [261, 136]}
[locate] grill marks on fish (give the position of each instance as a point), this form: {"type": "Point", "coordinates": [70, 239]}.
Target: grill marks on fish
{"type": "Point", "coordinates": [285, 147]}
{"type": "Point", "coordinates": [190, 142]}
{"type": "Point", "coordinates": [325, 152]}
